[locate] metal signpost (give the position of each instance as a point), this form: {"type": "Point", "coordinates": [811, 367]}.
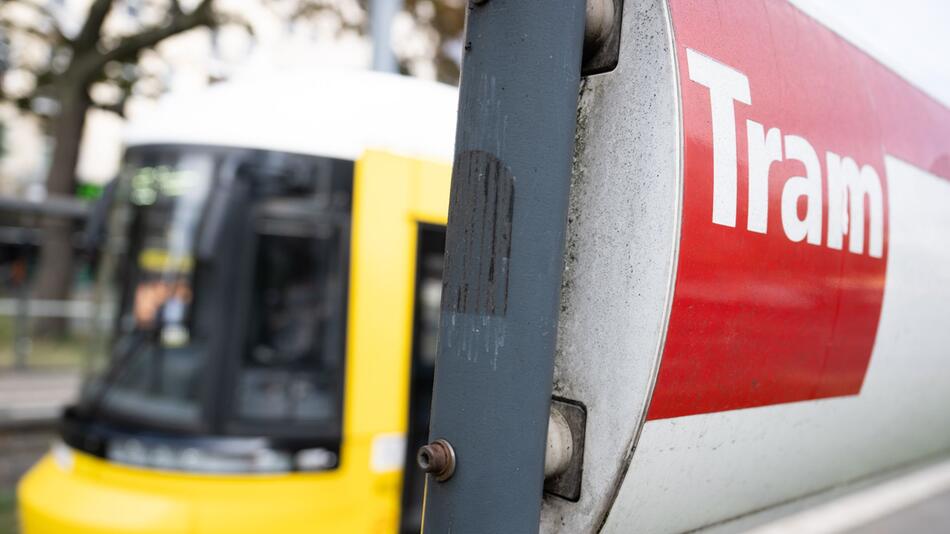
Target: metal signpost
{"type": "Point", "coordinates": [507, 218]}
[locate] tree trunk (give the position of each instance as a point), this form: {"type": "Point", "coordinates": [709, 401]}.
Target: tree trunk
{"type": "Point", "coordinates": [54, 275]}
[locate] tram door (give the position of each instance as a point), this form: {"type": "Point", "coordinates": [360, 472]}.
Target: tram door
{"type": "Point", "coordinates": [399, 216]}
{"type": "Point", "coordinates": [430, 258]}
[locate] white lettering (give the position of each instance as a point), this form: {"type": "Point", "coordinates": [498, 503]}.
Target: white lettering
{"type": "Point", "coordinates": [726, 85]}
{"type": "Point", "coordinates": [848, 183]}
{"type": "Point", "coordinates": [847, 188]}
{"type": "Point", "coordinates": [808, 186]}
{"type": "Point", "coordinates": [764, 149]}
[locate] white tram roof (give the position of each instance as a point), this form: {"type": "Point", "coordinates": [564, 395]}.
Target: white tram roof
{"type": "Point", "coordinates": [332, 113]}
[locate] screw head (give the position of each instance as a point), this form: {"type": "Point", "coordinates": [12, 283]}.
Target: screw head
{"type": "Point", "coordinates": [437, 459]}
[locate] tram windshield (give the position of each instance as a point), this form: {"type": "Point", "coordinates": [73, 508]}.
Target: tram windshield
{"type": "Point", "coordinates": [226, 271]}
{"type": "Point", "coordinates": [158, 346]}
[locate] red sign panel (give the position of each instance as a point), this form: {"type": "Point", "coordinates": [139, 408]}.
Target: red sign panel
{"type": "Point", "coordinates": [784, 246]}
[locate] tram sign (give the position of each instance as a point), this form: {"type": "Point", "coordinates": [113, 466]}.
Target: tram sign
{"type": "Point", "coordinates": [762, 288]}
{"type": "Point", "coordinates": [783, 249]}
{"type": "Point", "coordinates": [756, 277]}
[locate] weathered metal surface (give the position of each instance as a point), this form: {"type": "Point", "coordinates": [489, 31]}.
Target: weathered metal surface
{"type": "Point", "coordinates": [560, 446]}
{"type": "Point", "coordinates": [437, 459]}
{"type": "Point", "coordinates": [620, 257]}
{"type": "Point", "coordinates": [803, 351]}
{"type": "Point", "coordinates": [799, 355]}
{"type": "Point", "coordinates": [505, 238]}
{"type": "Point", "coordinates": [564, 479]}
{"type": "Point", "coordinates": [798, 358]}
{"type": "Point", "coordinates": [482, 208]}
{"type": "Point", "coordinates": [602, 36]}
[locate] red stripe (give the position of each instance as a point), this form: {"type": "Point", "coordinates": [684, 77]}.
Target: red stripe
{"type": "Point", "coordinates": [757, 318]}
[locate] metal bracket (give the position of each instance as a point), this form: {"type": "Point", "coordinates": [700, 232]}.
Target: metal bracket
{"type": "Point", "coordinates": [567, 483]}
{"type": "Point", "coordinates": [602, 36]}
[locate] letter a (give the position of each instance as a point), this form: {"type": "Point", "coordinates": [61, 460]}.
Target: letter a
{"type": "Point", "coordinates": [808, 186]}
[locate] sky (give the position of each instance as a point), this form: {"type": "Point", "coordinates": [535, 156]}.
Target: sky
{"type": "Point", "coordinates": [912, 37]}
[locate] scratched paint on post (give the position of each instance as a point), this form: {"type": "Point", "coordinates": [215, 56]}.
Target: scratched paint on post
{"type": "Point", "coordinates": [479, 227]}
{"type": "Point", "coordinates": [784, 243]}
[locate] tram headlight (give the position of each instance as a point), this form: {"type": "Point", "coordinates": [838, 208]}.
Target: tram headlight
{"type": "Point", "coordinates": [196, 459]}
{"type": "Point", "coordinates": [315, 459]}
{"type": "Point", "coordinates": [164, 457]}
{"type": "Point", "coordinates": [62, 455]}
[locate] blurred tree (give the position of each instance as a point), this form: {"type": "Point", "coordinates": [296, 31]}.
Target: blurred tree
{"type": "Point", "coordinates": [444, 22]}
{"type": "Point", "coordinates": [431, 37]}
{"type": "Point", "coordinates": [61, 70]}
{"type": "Point", "coordinates": [52, 74]}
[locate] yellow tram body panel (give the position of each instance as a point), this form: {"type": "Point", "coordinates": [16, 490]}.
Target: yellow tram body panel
{"type": "Point", "coordinates": [393, 195]}
{"type": "Point", "coordinates": [100, 497]}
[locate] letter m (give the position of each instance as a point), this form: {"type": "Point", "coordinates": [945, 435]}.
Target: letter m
{"type": "Point", "coordinates": [848, 187]}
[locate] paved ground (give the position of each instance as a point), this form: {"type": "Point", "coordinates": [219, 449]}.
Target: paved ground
{"type": "Point", "coordinates": [21, 445]}
{"type": "Point", "coordinates": [931, 516]}
{"type": "Point", "coordinates": [913, 499]}
{"type": "Point", "coordinates": [20, 448]}
{"type": "Point", "coordinates": [30, 402]}
{"type": "Point", "coordinates": [7, 514]}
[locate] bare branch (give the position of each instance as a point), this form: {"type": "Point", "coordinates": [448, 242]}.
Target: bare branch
{"type": "Point", "coordinates": [113, 107]}
{"type": "Point", "coordinates": [129, 47]}
{"type": "Point", "coordinates": [234, 19]}
{"type": "Point", "coordinates": [133, 44]}
{"type": "Point", "coordinates": [13, 27]}
{"type": "Point", "coordinates": [47, 15]}
{"type": "Point", "coordinates": [89, 34]}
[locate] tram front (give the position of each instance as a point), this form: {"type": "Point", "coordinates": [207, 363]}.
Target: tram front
{"type": "Point", "coordinates": [223, 307]}
{"type": "Point", "coordinates": [266, 293]}
{"type": "Point", "coordinates": [202, 273]}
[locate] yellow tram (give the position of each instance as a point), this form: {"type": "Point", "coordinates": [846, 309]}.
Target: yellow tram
{"type": "Point", "coordinates": [271, 276]}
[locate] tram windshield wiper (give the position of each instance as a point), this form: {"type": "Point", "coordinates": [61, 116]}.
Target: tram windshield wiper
{"type": "Point", "coordinates": [131, 346]}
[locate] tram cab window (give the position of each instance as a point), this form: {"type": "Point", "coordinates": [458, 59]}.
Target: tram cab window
{"type": "Point", "coordinates": [227, 271]}
{"type": "Point", "coordinates": [159, 348]}
{"type": "Point", "coordinates": [292, 366]}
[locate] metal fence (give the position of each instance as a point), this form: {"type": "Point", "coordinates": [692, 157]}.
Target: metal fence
{"type": "Point", "coordinates": [21, 239]}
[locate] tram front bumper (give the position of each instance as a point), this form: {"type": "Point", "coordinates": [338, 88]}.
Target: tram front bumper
{"type": "Point", "coordinates": [93, 496]}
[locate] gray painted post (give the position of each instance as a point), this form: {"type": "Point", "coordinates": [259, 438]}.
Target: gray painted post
{"type": "Point", "coordinates": [505, 242]}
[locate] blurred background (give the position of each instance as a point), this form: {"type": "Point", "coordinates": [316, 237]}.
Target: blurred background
{"type": "Point", "coordinates": [72, 72]}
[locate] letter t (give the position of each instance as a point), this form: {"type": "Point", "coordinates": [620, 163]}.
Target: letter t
{"type": "Point", "coordinates": [726, 85]}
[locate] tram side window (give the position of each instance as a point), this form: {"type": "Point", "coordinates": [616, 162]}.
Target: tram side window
{"type": "Point", "coordinates": [293, 366]}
